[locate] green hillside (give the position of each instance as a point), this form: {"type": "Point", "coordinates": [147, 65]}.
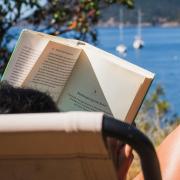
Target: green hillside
{"type": "Point", "coordinates": [153, 11]}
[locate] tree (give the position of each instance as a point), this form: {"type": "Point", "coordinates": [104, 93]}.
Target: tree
{"type": "Point", "coordinates": [52, 16]}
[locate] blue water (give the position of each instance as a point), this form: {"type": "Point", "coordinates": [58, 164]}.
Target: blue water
{"type": "Point", "coordinates": [160, 55]}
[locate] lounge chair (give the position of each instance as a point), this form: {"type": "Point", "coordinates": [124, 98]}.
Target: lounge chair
{"type": "Point", "coordinates": [67, 146]}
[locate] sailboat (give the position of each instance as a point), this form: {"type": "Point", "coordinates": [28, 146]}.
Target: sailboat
{"type": "Point", "coordinates": [138, 41]}
{"type": "Point", "coordinates": [121, 48]}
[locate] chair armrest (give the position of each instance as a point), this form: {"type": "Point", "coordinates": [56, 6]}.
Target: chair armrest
{"type": "Point", "coordinates": [138, 141]}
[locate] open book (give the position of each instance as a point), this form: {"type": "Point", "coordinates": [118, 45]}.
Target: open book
{"type": "Point", "coordinates": [77, 75]}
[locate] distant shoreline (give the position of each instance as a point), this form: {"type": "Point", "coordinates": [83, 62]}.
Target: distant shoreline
{"type": "Point", "coordinates": [112, 23]}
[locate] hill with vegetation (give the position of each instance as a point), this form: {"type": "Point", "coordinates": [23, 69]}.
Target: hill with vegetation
{"type": "Point", "coordinates": [153, 12]}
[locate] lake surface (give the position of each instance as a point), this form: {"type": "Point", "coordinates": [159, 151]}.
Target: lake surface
{"type": "Point", "coordinates": [161, 55]}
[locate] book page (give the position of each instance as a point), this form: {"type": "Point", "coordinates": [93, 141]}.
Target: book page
{"type": "Point", "coordinates": [83, 92]}
{"type": "Point", "coordinates": [25, 55]}
{"type": "Point", "coordinates": [53, 69]}
{"type": "Point", "coordinates": [119, 83]}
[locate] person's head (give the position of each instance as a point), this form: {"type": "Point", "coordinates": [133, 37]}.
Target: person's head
{"type": "Point", "coordinates": [20, 100]}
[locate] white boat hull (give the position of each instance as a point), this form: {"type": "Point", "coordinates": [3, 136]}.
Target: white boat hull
{"type": "Point", "coordinates": [138, 43]}
{"type": "Point", "coordinates": [121, 48]}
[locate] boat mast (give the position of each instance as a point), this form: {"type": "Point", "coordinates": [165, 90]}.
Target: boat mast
{"type": "Point", "coordinates": [121, 48]}
{"type": "Point", "coordinates": [139, 23]}
{"type": "Point", "coordinates": [121, 26]}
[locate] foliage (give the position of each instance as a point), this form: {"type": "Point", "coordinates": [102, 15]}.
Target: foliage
{"type": "Point", "coordinates": [155, 117]}
{"type": "Point", "coordinates": [52, 16]}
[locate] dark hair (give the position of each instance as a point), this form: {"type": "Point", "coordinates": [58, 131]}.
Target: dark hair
{"type": "Point", "coordinates": [20, 100]}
